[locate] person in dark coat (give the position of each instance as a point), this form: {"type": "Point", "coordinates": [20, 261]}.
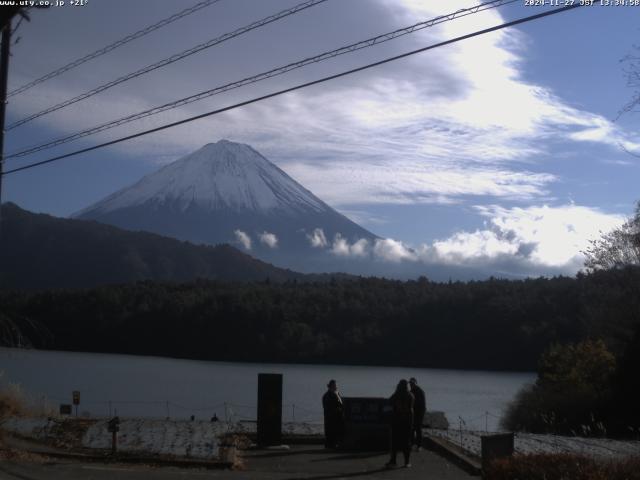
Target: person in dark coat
{"type": "Point", "coordinates": [419, 409]}
{"type": "Point", "coordinates": [401, 423]}
{"type": "Point", "coordinates": [333, 416]}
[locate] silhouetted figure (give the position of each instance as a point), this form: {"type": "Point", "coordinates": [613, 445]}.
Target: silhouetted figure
{"type": "Point", "coordinates": [333, 416]}
{"type": "Point", "coordinates": [419, 409]}
{"type": "Point", "coordinates": [401, 423]}
{"type": "Point", "coordinates": [193, 417]}
{"type": "Point", "coordinates": [214, 418]}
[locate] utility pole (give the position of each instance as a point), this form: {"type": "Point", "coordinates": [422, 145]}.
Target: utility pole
{"type": "Point", "coordinates": [4, 75]}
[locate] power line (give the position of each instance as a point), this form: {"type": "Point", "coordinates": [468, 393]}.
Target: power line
{"type": "Point", "coordinates": [170, 60]}
{"type": "Point", "coordinates": [262, 76]}
{"type": "Point", "coordinates": [114, 45]}
{"type": "Point", "coordinates": [297, 87]}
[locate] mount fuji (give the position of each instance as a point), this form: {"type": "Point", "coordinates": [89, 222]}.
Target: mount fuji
{"type": "Point", "coordinates": [227, 192]}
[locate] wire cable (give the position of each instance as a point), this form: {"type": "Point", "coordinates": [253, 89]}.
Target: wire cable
{"type": "Point", "coordinates": [113, 46]}
{"type": "Point", "coordinates": [172, 59]}
{"type": "Point", "coordinates": [262, 76]}
{"type": "Point", "coordinates": [297, 87]}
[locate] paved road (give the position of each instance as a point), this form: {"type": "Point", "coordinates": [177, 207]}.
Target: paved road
{"type": "Point", "coordinates": [301, 462]}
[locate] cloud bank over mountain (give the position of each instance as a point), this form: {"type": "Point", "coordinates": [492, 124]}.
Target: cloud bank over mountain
{"type": "Point", "coordinates": [514, 242]}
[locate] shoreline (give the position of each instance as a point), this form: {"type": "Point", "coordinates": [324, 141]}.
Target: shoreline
{"type": "Point", "coordinates": [267, 362]}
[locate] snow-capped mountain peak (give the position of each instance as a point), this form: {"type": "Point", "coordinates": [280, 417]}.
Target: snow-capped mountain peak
{"type": "Point", "coordinates": [219, 176]}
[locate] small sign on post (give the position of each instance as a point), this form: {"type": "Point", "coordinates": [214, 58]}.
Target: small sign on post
{"type": "Point", "coordinates": [76, 400]}
{"type": "Point", "coordinates": [114, 427]}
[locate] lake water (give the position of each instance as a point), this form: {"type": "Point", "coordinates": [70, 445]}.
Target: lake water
{"type": "Point", "coordinates": [160, 387]}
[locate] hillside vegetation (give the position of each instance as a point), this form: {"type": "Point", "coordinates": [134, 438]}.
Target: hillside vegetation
{"type": "Point", "coordinates": [492, 324]}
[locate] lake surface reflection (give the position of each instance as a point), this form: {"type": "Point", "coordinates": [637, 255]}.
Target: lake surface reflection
{"type": "Point", "coordinates": [160, 387]}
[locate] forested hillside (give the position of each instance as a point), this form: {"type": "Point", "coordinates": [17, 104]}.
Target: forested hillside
{"type": "Point", "coordinates": [492, 324]}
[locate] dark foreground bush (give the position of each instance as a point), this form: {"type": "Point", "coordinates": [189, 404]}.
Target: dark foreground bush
{"type": "Point", "coordinates": [571, 394]}
{"type": "Point", "coordinates": [540, 410]}
{"type": "Point", "coordinates": [562, 467]}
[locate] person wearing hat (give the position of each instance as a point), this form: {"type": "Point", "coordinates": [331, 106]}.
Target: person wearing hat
{"type": "Point", "coordinates": [333, 416]}
{"type": "Point", "coordinates": [419, 409]}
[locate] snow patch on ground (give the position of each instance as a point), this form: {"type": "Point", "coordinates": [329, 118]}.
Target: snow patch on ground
{"type": "Point", "coordinates": [182, 438]}
{"type": "Point", "coordinates": [38, 428]}
{"type": "Point", "coordinates": [195, 439]}
{"type": "Point", "coordinates": [529, 443]}
{"type": "Point", "coordinates": [151, 436]}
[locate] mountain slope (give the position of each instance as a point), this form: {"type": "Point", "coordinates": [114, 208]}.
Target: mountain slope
{"type": "Point", "coordinates": [219, 176]}
{"type": "Point", "coordinates": [41, 251]}
{"type": "Point", "coordinates": [222, 189]}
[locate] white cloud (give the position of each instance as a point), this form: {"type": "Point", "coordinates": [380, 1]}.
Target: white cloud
{"type": "Point", "coordinates": [340, 246]}
{"type": "Point", "coordinates": [343, 248]}
{"type": "Point", "coordinates": [381, 249]}
{"type": "Point", "coordinates": [360, 248]}
{"type": "Point", "coordinates": [406, 181]}
{"type": "Point", "coordinates": [516, 241]}
{"type": "Point", "coordinates": [463, 246]}
{"type": "Point", "coordinates": [269, 239]}
{"type": "Point", "coordinates": [393, 251]}
{"type": "Point", "coordinates": [550, 236]}
{"type": "Point", "coordinates": [317, 238]}
{"type": "Point", "coordinates": [243, 239]}
{"type": "Point", "coordinates": [538, 238]}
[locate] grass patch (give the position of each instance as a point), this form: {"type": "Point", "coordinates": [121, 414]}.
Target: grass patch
{"type": "Point", "coordinates": [14, 402]}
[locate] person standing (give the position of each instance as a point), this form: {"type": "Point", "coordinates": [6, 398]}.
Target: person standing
{"type": "Point", "coordinates": [419, 409]}
{"type": "Point", "coordinates": [401, 423]}
{"type": "Point", "coordinates": [333, 416]}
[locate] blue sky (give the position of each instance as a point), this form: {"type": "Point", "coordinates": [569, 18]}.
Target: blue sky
{"type": "Point", "coordinates": [497, 153]}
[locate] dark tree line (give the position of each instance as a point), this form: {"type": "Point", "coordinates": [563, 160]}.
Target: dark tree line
{"type": "Point", "coordinates": [491, 324]}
